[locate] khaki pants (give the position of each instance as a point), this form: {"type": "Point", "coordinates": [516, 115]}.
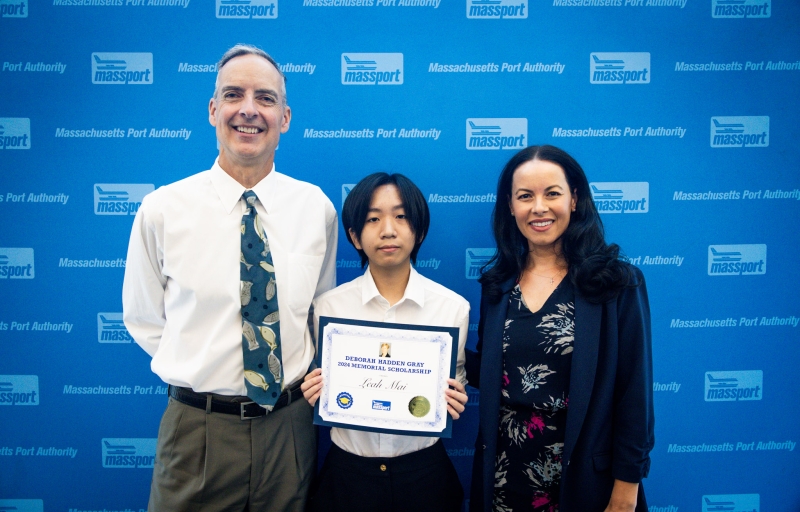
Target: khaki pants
{"type": "Point", "coordinates": [219, 462]}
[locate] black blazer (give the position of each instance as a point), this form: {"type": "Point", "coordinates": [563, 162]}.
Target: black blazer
{"type": "Point", "coordinates": [610, 418]}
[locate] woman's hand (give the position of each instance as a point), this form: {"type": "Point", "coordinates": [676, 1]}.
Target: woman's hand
{"type": "Point", "coordinates": [312, 386]}
{"type": "Point", "coordinates": [623, 497]}
{"type": "Point", "coordinates": [456, 398]}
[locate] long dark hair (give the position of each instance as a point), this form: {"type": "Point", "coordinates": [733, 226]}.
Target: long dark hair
{"type": "Point", "coordinates": [595, 268]}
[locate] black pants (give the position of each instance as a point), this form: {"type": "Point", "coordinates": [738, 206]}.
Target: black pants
{"type": "Point", "coordinates": [423, 481]}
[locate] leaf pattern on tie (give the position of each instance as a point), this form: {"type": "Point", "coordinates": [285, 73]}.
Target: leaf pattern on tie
{"type": "Point", "coordinates": [271, 287]}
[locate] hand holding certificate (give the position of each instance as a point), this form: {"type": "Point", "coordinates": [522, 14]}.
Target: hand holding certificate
{"type": "Point", "coordinates": [385, 377]}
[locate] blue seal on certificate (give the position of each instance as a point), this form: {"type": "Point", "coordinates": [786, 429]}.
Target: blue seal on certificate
{"type": "Point", "coordinates": [344, 400]}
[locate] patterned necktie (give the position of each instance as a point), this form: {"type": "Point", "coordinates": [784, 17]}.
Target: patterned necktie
{"type": "Point", "coordinates": [261, 334]}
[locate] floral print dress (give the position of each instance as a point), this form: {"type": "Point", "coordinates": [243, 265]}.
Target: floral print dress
{"type": "Point", "coordinates": [537, 354]}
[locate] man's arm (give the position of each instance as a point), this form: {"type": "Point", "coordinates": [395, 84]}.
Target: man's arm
{"type": "Point", "coordinates": [143, 287]}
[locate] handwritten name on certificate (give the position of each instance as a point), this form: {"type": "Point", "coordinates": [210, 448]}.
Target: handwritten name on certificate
{"type": "Point", "coordinates": [385, 377]}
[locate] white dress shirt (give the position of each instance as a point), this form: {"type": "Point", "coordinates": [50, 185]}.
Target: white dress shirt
{"type": "Point", "coordinates": [180, 296]}
{"type": "Point", "coordinates": [424, 303]}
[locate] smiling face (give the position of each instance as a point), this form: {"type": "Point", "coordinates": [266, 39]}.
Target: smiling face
{"type": "Point", "coordinates": [541, 202]}
{"type": "Point", "coordinates": [249, 112]}
{"type": "Point", "coordinates": [387, 238]}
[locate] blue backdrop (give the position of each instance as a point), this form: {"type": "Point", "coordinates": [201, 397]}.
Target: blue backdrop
{"type": "Point", "coordinates": [670, 106]}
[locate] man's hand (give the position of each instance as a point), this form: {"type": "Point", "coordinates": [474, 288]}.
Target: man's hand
{"type": "Point", "coordinates": [456, 398]}
{"type": "Point", "coordinates": [312, 386]}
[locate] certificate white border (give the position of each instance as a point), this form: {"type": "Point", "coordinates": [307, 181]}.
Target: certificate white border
{"type": "Point", "coordinates": [439, 426]}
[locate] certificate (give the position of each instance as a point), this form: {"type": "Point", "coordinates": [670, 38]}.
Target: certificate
{"type": "Point", "coordinates": [385, 377]}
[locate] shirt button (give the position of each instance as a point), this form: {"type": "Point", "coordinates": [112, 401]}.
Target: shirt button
{"type": "Point", "coordinates": [383, 467]}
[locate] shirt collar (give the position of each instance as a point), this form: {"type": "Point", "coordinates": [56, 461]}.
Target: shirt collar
{"type": "Point", "coordinates": [415, 291]}
{"type": "Point", "coordinates": [230, 190]}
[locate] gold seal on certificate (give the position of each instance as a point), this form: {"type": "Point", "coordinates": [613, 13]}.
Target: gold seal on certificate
{"type": "Point", "coordinates": [385, 377]}
{"type": "Point", "coordinates": [419, 406]}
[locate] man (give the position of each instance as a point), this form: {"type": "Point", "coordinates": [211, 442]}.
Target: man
{"type": "Point", "coordinates": [228, 332]}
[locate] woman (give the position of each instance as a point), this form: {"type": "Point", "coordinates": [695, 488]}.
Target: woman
{"type": "Point", "coordinates": [563, 360]}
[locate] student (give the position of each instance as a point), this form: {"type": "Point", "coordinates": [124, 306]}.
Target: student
{"type": "Point", "coordinates": [386, 219]}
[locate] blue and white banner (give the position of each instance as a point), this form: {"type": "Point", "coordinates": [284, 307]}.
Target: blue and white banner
{"type": "Point", "coordinates": [681, 112]}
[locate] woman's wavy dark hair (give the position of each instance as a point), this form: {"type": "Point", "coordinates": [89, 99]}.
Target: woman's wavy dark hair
{"type": "Point", "coordinates": [595, 268]}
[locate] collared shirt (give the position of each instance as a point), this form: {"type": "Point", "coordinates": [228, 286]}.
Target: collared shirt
{"type": "Point", "coordinates": [181, 298]}
{"type": "Point", "coordinates": [424, 303]}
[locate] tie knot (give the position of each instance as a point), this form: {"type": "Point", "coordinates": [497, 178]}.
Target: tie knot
{"type": "Point", "coordinates": [250, 197]}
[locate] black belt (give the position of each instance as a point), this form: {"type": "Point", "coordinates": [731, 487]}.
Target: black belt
{"type": "Point", "coordinates": [240, 406]}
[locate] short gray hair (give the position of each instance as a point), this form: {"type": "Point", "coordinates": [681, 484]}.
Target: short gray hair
{"type": "Point", "coordinates": [247, 49]}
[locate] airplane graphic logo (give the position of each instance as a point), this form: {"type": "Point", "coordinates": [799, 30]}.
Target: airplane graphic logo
{"type": "Point", "coordinates": [496, 133]}
{"type": "Point", "coordinates": [22, 505]}
{"type": "Point", "coordinates": [247, 9]}
{"type": "Point", "coordinates": [497, 9]}
{"type": "Point", "coordinates": [122, 68]}
{"type": "Point", "coordinates": [605, 194]}
{"type": "Point", "coordinates": [476, 258]}
{"type": "Point", "coordinates": [733, 386]}
{"type": "Point", "coordinates": [732, 503]}
{"type": "Point", "coordinates": [621, 197]}
{"type": "Point", "coordinates": [19, 390]}
{"type": "Point", "coordinates": [372, 69]}
{"type": "Point", "coordinates": [619, 68]}
{"type": "Point", "coordinates": [741, 8]}
{"type": "Point", "coordinates": [740, 131]}
{"type": "Point", "coordinates": [111, 329]}
{"type": "Point", "coordinates": [129, 453]}
{"type": "Point", "coordinates": [15, 133]}
{"type": "Point", "coordinates": [738, 260]}
{"type": "Point", "coordinates": [119, 198]}
{"type": "Point", "coordinates": [17, 263]}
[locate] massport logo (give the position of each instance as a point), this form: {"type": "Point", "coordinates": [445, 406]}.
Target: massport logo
{"type": "Point", "coordinates": [734, 386]}
{"type": "Point", "coordinates": [497, 133]}
{"type": "Point", "coordinates": [247, 9]}
{"type": "Point", "coordinates": [19, 390]}
{"type": "Point", "coordinates": [111, 329]}
{"type": "Point", "coordinates": [17, 263]}
{"type": "Point", "coordinates": [129, 453]}
{"type": "Point", "coordinates": [13, 9]}
{"type": "Point", "coordinates": [741, 8]}
{"type": "Point", "coordinates": [732, 503]}
{"type": "Point", "coordinates": [740, 132]}
{"type": "Point", "coordinates": [119, 198]}
{"type": "Point", "coordinates": [621, 197]}
{"type": "Point", "coordinates": [737, 260]}
{"type": "Point", "coordinates": [122, 68]}
{"type": "Point", "coordinates": [497, 9]}
{"type": "Point", "coordinates": [619, 68]}
{"type": "Point", "coordinates": [372, 69]}
{"type": "Point", "coordinates": [15, 133]}
{"type": "Point", "coordinates": [476, 258]}
{"type": "Point", "coordinates": [22, 505]}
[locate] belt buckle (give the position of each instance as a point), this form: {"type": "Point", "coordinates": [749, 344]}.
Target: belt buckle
{"type": "Point", "coordinates": [241, 411]}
